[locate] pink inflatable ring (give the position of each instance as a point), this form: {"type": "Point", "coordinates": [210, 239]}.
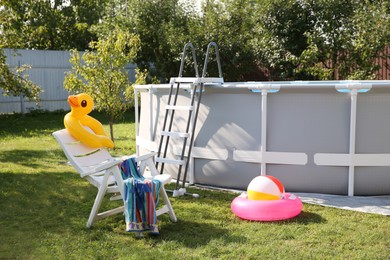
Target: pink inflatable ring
{"type": "Point", "coordinates": [266, 210]}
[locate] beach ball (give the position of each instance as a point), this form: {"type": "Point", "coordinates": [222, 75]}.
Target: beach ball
{"type": "Point", "coordinates": [265, 188]}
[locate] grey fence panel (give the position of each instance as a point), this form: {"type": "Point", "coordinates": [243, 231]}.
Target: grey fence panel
{"type": "Point", "coordinates": [48, 71]}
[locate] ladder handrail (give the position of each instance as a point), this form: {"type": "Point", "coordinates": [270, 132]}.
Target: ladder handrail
{"type": "Point", "coordinates": [186, 46]}
{"type": "Point", "coordinates": [204, 72]}
{"type": "Point", "coordinates": [193, 111]}
{"type": "Point", "coordinates": [193, 57]}
{"type": "Point", "coordinates": [206, 61]}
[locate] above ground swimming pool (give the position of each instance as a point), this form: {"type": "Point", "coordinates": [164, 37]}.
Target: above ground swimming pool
{"type": "Point", "coordinates": [314, 136]}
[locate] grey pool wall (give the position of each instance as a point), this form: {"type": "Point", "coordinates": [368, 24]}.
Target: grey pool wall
{"type": "Point", "coordinates": [329, 137]}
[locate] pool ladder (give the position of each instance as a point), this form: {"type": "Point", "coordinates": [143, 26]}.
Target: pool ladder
{"type": "Point", "coordinates": [196, 86]}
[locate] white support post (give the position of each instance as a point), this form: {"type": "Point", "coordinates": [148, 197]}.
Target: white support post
{"type": "Point", "coordinates": [351, 160]}
{"type": "Point", "coordinates": [263, 156]}
{"type": "Point", "coordinates": [151, 130]}
{"type": "Point", "coordinates": [352, 142]}
{"type": "Point", "coordinates": [192, 160]}
{"type": "Point", "coordinates": [136, 120]}
{"type": "Point", "coordinates": [263, 150]}
{"type": "Point", "coordinates": [143, 142]}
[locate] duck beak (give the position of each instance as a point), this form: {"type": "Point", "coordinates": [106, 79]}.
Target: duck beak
{"type": "Point", "coordinates": [73, 101]}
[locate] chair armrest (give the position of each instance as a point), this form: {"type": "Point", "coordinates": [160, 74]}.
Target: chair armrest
{"type": "Point", "coordinates": [107, 165]}
{"type": "Point", "coordinates": [101, 167]}
{"type": "Point", "coordinates": [114, 162]}
{"type": "Point", "coordinates": [137, 159]}
{"type": "Point", "coordinates": [145, 156]}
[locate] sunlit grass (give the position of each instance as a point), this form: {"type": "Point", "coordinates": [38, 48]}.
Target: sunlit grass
{"type": "Point", "coordinates": [44, 206]}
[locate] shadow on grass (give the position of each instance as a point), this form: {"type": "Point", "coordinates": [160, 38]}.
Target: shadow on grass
{"type": "Point", "coordinates": [31, 124]}
{"type": "Point", "coordinates": [29, 158]}
{"type": "Point", "coordinates": [35, 124]}
{"type": "Point", "coordinates": [36, 206]}
{"type": "Point", "coordinates": [193, 234]}
{"type": "Point", "coordinates": [306, 217]}
{"type": "Point", "coordinates": [48, 197]}
{"type": "Point", "coordinates": [219, 198]}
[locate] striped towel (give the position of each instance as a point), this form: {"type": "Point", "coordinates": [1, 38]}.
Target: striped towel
{"type": "Point", "coordinates": [141, 199]}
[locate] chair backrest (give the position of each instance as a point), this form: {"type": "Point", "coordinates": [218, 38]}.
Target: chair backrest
{"type": "Point", "coordinates": [80, 156]}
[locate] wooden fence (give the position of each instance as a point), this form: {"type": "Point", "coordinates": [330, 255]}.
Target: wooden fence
{"type": "Point", "coordinates": [384, 63]}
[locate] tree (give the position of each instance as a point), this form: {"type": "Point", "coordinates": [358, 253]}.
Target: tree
{"type": "Point", "coordinates": [15, 82]}
{"type": "Point", "coordinates": [166, 26]}
{"type": "Point", "coordinates": [279, 35]}
{"type": "Point", "coordinates": [345, 38]}
{"type": "Point", "coordinates": [49, 24]}
{"type": "Point", "coordinates": [163, 30]}
{"type": "Point", "coordinates": [54, 25]}
{"type": "Point", "coordinates": [229, 24]}
{"type": "Point", "coordinates": [321, 39]}
{"type": "Point", "coordinates": [101, 72]}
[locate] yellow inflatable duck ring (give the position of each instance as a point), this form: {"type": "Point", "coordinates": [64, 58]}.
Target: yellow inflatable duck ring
{"type": "Point", "coordinates": [77, 121]}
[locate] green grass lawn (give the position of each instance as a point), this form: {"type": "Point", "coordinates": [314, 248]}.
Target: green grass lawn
{"type": "Point", "coordinates": [44, 207]}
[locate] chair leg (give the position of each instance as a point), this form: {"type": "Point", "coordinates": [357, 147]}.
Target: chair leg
{"type": "Point", "coordinates": [98, 201]}
{"type": "Point", "coordinates": [167, 202]}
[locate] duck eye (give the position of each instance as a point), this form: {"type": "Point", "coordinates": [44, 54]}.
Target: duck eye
{"type": "Point", "coordinates": [84, 103]}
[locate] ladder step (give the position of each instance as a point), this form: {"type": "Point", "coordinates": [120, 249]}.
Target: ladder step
{"type": "Point", "coordinates": [183, 80]}
{"type": "Point", "coordinates": [196, 80]}
{"type": "Point", "coordinates": [211, 80]}
{"type": "Point", "coordinates": [189, 108]}
{"type": "Point", "coordinates": [170, 161]}
{"type": "Point", "coordinates": [175, 134]}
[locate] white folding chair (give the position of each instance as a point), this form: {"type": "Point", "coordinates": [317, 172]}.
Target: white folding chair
{"type": "Point", "coordinates": [101, 170]}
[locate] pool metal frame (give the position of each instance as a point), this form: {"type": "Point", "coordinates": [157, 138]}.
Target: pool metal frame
{"type": "Point", "coordinates": [351, 159]}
